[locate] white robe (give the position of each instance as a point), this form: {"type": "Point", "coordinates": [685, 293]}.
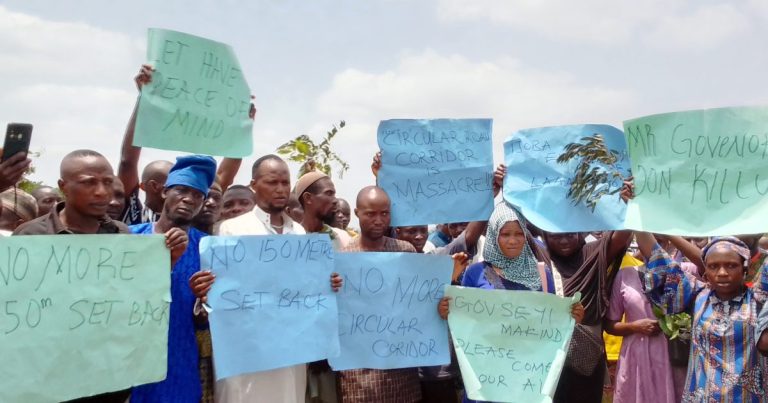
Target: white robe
{"type": "Point", "coordinates": [282, 385]}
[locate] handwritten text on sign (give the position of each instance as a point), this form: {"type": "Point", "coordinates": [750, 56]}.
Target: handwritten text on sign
{"type": "Point", "coordinates": [272, 303]}
{"type": "Point", "coordinates": [197, 101]}
{"type": "Point", "coordinates": [510, 344]}
{"type": "Point", "coordinates": [539, 185]}
{"type": "Point", "coordinates": [437, 171]}
{"type": "Point", "coordinates": [95, 314]}
{"type": "Point", "coordinates": [388, 310]}
{"type": "Point", "coordinates": [700, 172]}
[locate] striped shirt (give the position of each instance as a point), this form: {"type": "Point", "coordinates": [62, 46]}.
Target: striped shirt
{"type": "Point", "coordinates": [724, 365]}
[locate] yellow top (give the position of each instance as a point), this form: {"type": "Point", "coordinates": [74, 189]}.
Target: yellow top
{"type": "Point", "coordinates": [613, 343]}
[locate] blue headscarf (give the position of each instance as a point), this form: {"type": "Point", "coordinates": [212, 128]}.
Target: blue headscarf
{"type": "Point", "coordinates": [522, 269]}
{"type": "Point", "coordinates": [195, 171]}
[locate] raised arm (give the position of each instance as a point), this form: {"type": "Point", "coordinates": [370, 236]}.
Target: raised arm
{"type": "Point", "coordinates": [227, 171]}
{"type": "Point", "coordinates": [128, 169]}
{"type": "Point", "coordinates": [665, 281]}
{"type": "Point", "coordinates": [689, 250]}
{"type": "Point", "coordinates": [619, 243]}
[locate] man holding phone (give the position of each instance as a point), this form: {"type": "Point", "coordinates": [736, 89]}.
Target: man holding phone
{"type": "Point", "coordinates": [12, 169]}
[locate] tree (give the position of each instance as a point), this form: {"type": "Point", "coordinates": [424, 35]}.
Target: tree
{"type": "Point", "coordinates": [312, 156]}
{"type": "Point", "coordinates": [595, 171]}
{"type": "Point", "coordinates": [25, 184]}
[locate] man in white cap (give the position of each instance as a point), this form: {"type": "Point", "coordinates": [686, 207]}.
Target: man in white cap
{"type": "Point", "coordinates": [317, 196]}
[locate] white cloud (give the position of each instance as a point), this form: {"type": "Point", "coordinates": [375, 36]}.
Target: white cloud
{"type": "Point", "coordinates": [72, 81]}
{"type": "Point", "coordinates": [706, 27]}
{"type": "Point", "coordinates": [677, 24]}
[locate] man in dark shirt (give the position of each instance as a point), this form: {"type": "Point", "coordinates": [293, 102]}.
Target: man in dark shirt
{"type": "Point", "coordinates": [86, 182]}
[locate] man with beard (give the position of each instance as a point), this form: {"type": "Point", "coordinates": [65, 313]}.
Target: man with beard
{"type": "Point", "coordinates": [271, 183]}
{"type": "Point", "coordinates": [185, 191]}
{"type": "Point", "coordinates": [317, 196]}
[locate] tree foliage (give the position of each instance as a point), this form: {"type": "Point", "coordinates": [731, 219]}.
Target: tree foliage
{"type": "Point", "coordinates": [595, 172]}
{"type": "Point", "coordinates": [313, 155]}
{"type": "Point", "coordinates": [25, 184]}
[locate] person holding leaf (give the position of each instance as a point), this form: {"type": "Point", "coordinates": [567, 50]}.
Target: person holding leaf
{"type": "Point", "coordinates": [727, 333]}
{"type": "Point", "coordinates": [510, 262]}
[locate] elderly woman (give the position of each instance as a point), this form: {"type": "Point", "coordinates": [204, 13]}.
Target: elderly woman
{"type": "Point", "coordinates": [727, 333]}
{"type": "Point", "coordinates": [510, 262]}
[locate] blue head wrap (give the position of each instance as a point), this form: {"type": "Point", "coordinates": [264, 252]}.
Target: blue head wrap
{"type": "Point", "coordinates": [195, 171]}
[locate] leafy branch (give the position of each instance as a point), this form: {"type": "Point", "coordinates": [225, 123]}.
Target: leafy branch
{"type": "Point", "coordinates": [596, 169]}
{"type": "Point", "coordinates": [312, 156]}
{"type": "Point", "coordinates": [673, 325]}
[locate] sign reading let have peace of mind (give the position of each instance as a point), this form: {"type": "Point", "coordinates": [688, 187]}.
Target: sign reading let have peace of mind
{"type": "Point", "coordinates": [437, 171]}
{"type": "Point", "coordinates": [198, 100]}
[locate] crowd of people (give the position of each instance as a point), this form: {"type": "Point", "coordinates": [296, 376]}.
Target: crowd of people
{"type": "Point", "coordinates": [721, 282]}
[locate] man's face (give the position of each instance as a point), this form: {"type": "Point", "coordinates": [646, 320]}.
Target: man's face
{"type": "Point", "coordinates": [563, 244]}
{"type": "Point", "coordinates": [373, 215]}
{"type": "Point", "coordinates": [117, 202]}
{"type": "Point", "coordinates": [236, 203]}
{"type": "Point", "coordinates": [154, 194]}
{"type": "Point", "coordinates": [455, 229]}
{"type": "Point", "coordinates": [324, 203]}
{"type": "Point", "coordinates": [342, 215]}
{"type": "Point", "coordinates": [46, 199]}
{"type": "Point", "coordinates": [211, 208]}
{"type": "Point", "coordinates": [88, 186]}
{"type": "Point", "coordinates": [272, 186]}
{"type": "Point", "coordinates": [182, 204]}
{"type": "Point", "coordinates": [415, 235]}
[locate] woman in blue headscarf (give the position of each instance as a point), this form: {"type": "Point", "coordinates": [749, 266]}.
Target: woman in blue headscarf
{"type": "Point", "coordinates": [510, 262]}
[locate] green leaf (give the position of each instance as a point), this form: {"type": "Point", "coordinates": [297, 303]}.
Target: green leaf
{"type": "Point", "coordinates": [302, 147]}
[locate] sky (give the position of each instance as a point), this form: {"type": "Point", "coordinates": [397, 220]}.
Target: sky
{"type": "Point", "coordinates": [68, 66]}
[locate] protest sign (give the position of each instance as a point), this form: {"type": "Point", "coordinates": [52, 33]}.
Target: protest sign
{"type": "Point", "coordinates": [271, 304]}
{"type": "Point", "coordinates": [511, 345]}
{"type": "Point", "coordinates": [388, 310]}
{"type": "Point", "coordinates": [700, 173]}
{"type": "Point", "coordinates": [538, 184]}
{"type": "Point", "coordinates": [437, 171]}
{"type": "Point", "coordinates": [82, 315]}
{"type": "Point", "coordinates": [198, 100]}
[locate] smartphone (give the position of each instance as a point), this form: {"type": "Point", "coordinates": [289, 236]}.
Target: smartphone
{"type": "Point", "coordinates": [17, 138]}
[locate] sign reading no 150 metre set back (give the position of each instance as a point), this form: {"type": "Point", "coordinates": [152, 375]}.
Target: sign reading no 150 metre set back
{"type": "Point", "coordinates": [437, 171]}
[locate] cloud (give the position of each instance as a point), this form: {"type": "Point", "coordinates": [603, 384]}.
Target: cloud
{"type": "Point", "coordinates": [674, 24]}
{"type": "Point", "coordinates": [706, 27]}
{"type": "Point", "coordinates": [433, 85]}
{"type": "Point", "coordinates": [72, 81]}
